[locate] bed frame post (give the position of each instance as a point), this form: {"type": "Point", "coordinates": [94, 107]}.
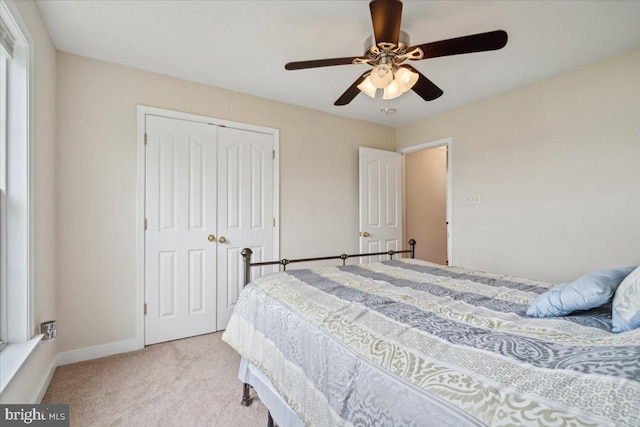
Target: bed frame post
{"type": "Point", "coordinates": [412, 248]}
{"type": "Point", "coordinates": [246, 257]}
{"type": "Point", "coordinates": [246, 395]}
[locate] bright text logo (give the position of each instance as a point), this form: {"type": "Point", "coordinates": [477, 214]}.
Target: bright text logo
{"type": "Point", "coordinates": [36, 415]}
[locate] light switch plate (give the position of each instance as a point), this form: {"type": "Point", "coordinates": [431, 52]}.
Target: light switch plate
{"type": "Point", "coordinates": [473, 199]}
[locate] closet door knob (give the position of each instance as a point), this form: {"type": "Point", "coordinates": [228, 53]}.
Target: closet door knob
{"type": "Point", "coordinates": [365, 234]}
{"type": "Point", "coordinates": [211, 238]}
{"type": "Point", "coordinates": [222, 240]}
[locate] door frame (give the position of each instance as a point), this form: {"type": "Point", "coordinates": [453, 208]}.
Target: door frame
{"type": "Point", "coordinates": [142, 112]}
{"type": "Point", "coordinates": [444, 142]}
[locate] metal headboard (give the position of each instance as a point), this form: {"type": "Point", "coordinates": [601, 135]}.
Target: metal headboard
{"type": "Point", "coordinates": [247, 252]}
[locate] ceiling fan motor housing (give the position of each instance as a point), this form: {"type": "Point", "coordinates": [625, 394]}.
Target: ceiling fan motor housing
{"type": "Point", "coordinates": [373, 49]}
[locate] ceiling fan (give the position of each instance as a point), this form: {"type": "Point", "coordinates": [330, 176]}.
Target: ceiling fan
{"type": "Point", "coordinates": [389, 48]}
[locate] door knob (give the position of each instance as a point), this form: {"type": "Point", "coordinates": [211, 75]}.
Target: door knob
{"type": "Point", "coordinates": [222, 240]}
{"type": "Point", "coordinates": [365, 234]}
{"type": "Point", "coordinates": [211, 238]}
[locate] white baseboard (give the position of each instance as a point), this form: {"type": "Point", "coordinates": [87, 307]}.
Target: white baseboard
{"type": "Point", "coordinates": [44, 383]}
{"type": "Point", "coordinates": [97, 351]}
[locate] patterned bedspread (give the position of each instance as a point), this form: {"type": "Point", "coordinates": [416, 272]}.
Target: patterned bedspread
{"type": "Point", "coordinates": [410, 343]}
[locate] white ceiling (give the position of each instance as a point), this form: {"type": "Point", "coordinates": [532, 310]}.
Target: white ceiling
{"type": "Point", "coordinates": [243, 45]}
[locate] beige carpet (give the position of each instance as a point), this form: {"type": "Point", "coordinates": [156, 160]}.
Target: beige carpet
{"type": "Point", "coordinates": [189, 382]}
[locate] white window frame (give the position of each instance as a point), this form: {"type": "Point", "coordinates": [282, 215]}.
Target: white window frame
{"type": "Point", "coordinates": [3, 207]}
{"type": "Point", "coordinates": [17, 326]}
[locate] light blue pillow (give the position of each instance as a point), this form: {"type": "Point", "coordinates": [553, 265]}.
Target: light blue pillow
{"type": "Point", "coordinates": [587, 292]}
{"type": "Point", "coordinates": [626, 303]}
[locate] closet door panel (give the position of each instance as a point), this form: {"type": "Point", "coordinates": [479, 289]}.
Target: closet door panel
{"type": "Point", "coordinates": [245, 209]}
{"type": "Point", "coordinates": [180, 208]}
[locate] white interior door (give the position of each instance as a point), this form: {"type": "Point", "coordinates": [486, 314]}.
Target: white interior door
{"type": "Point", "coordinates": [380, 201]}
{"type": "Point", "coordinates": [245, 210]}
{"type": "Point", "coordinates": [180, 209]}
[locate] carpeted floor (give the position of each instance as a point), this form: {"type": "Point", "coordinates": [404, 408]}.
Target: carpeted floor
{"type": "Point", "coordinates": [189, 382]}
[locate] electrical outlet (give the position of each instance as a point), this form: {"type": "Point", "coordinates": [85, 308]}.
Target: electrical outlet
{"type": "Point", "coordinates": [473, 199]}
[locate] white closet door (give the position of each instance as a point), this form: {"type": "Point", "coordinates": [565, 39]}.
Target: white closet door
{"type": "Point", "coordinates": [245, 209]}
{"type": "Point", "coordinates": [380, 201]}
{"type": "Point", "coordinates": [180, 261]}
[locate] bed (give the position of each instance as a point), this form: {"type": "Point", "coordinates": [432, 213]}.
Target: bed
{"type": "Point", "coordinates": [406, 342]}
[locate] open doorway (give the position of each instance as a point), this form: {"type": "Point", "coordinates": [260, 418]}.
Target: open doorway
{"type": "Point", "coordinates": [426, 198]}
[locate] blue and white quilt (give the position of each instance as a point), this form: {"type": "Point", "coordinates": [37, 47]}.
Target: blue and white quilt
{"type": "Point", "coordinates": [410, 343]}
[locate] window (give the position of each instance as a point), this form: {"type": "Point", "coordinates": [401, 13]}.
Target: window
{"type": "Point", "coordinates": [4, 57]}
{"type": "Point", "coordinates": [16, 289]}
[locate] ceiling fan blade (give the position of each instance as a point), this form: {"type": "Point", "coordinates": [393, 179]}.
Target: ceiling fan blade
{"type": "Point", "coordinates": [424, 87]}
{"type": "Point", "coordinates": [386, 16]}
{"type": "Point", "coordinates": [492, 40]}
{"type": "Point", "coordinates": [352, 92]}
{"type": "Point", "coordinates": [301, 65]}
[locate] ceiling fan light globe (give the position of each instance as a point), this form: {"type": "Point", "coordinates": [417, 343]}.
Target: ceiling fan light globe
{"type": "Point", "coordinates": [392, 91]}
{"type": "Point", "coordinates": [407, 78]}
{"type": "Point", "coordinates": [368, 88]}
{"type": "Point", "coordinates": [381, 76]}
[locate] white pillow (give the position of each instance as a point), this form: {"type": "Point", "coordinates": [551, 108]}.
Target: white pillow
{"type": "Point", "coordinates": [626, 303]}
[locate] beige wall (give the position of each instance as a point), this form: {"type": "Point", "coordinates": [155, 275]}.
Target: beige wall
{"type": "Point", "coordinates": [556, 167]}
{"type": "Point", "coordinates": [32, 374]}
{"type": "Point", "coordinates": [96, 185]}
{"type": "Point", "coordinates": [425, 203]}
